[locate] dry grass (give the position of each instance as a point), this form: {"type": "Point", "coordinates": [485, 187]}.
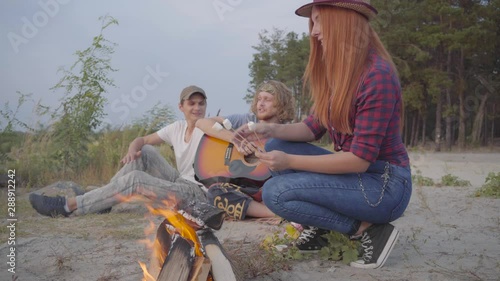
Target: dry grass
{"type": "Point", "coordinates": [252, 260]}
{"type": "Point", "coordinates": [37, 162]}
{"type": "Point", "coordinates": [118, 225]}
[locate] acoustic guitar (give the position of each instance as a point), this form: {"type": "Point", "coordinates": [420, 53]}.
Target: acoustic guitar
{"type": "Point", "coordinates": [219, 161]}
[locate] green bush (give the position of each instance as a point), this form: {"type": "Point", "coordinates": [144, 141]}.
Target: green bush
{"type": "Point", "coordinates": [82, 107]}
{"type": "Point", "coordinates": [420, 180]}
{"type": "Point", "coordinates": [491, 187]}
{"type": "Point", "coordinates": [339, 248]}
{"type": "Point", "coordinates": [450, 180]}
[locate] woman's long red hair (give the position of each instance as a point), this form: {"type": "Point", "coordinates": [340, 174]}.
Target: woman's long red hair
{"type": "Point", "coordinates": [335, 70]}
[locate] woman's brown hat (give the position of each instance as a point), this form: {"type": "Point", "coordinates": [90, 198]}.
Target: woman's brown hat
{"type": "Point", "coordinates": [361, 6]}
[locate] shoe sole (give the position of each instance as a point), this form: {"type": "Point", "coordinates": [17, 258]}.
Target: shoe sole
{"type": "Point", "coordinates": [393, 238]}
{"type": "Point", "coordinates": [310, 251]}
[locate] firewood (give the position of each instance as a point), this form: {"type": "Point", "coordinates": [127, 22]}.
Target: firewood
{"type": "Point", "coordinates": [160, 249]}
{"type": "Point", "coordinates": [222, 268]}
{"type": "Point", "coordinates": [201, 269]}
{"type": "Point", "coordinates": [163, 237]}
{"type": "Point", "coordinates": [179, 261]}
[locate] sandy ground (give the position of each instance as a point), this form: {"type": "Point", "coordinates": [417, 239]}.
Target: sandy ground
{"type": "Point", "coordinates": [446, 234]}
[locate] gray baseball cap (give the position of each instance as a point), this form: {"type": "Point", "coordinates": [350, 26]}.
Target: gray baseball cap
{"type": "Point", "coordinates": [190, 90]}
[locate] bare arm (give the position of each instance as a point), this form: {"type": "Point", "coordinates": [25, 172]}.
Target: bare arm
{"type": "Point", "coordinates": [338, 163]}
{"type": "Point", "coordinates": [292, 132]}
{"type": "Point", "coordinates": [206, 125]}
{"type": "Point", "coordinates": [134, 149]}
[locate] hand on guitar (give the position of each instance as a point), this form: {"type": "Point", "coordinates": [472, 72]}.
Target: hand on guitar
{"type": "Point", "coordinates": [245, 147]}
{"type": "Point", "coordinates": [256, 133]}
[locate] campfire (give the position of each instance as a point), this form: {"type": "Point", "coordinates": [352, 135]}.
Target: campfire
{"type": "Point", "coordinates": [183, 249]}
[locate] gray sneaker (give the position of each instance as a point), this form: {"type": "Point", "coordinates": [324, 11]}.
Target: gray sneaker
{"type": "Point", "coordinates": [376, 245]}
{"type": "Point", "coordinates": [48, 206]}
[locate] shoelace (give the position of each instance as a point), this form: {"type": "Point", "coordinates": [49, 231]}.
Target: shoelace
{"type": "Point", "coordinates": [368, 248]}
{"type": "Point", "coordinates": [306, 234]}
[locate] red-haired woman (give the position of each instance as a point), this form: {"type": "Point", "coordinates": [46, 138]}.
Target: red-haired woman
{"type": "Point", "coordinates": [356, 97]}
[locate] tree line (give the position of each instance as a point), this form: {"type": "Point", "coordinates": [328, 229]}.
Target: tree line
{"type": "Point", "coordinates": [448, 59]}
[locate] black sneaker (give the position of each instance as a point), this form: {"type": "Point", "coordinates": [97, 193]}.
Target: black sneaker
{"type": "Point", "coordinates": [311, 239]}
{"type": "Point", "coordinates": [377, 243]}
{"type": "Point", "coordinates": [48, 206]}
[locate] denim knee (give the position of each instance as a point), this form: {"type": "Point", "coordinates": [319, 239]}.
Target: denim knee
{"type": "Point", "coordinates": [273, 144]}
{"type": "Point", "coordinates": [148, 149]}
{"type": "Point", "coordinates": [269, 195]}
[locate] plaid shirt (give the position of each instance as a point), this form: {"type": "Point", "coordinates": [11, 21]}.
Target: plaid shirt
{"type": "Point", "coordinates": [377, 118]}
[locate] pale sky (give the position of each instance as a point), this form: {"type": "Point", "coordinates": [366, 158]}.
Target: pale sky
{"type": "Point", "coordinates": [163, 46]}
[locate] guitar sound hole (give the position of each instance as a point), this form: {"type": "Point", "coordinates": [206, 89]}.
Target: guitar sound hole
{"type": "Point", "coordinates": [251, 159]}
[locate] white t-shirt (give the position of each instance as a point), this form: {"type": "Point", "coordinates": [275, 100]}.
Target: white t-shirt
{"type": "Point", "coordinates": [173, 134]}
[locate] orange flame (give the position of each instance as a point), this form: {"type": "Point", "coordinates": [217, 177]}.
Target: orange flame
{"type": "Point", "coordinates": [146, 275]}
{"type": "Point", "coordinates": [180, 224]}
{"type": "Point", "coordinates": [168, 210]}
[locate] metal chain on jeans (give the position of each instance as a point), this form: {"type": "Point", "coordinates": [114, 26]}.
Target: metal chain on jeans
{"type": "Point", "coordinates": [385, 176]}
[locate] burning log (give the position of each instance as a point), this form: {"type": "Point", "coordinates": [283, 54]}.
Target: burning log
{"type": "Point", "coordinates": [178, 255]}
{"type": "Point", "coordinates": [179, 261]}
{"type": "Point", "coordinates": [164, 242]}
{"type": "Point", "coordinates": [201, 269]}
{"type": "Point", "coordinates": [181, 253]}
{"type": "Point", "coordinates": [160, 248]}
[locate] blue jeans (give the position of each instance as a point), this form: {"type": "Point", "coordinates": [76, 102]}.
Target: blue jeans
{"type": "Point", "coordinates": [336, 202]}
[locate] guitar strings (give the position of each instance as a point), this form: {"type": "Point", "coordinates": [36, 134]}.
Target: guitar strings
{"type": "Point", "coordinates": [244, 139]}
{"type": "Point", "coordinates": [239, 135]}
{"type": "Point", "coordinates": [261, 149]}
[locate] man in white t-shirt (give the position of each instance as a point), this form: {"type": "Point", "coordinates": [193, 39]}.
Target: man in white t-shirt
{"type": "Point", "coordinates": [147, 173]}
